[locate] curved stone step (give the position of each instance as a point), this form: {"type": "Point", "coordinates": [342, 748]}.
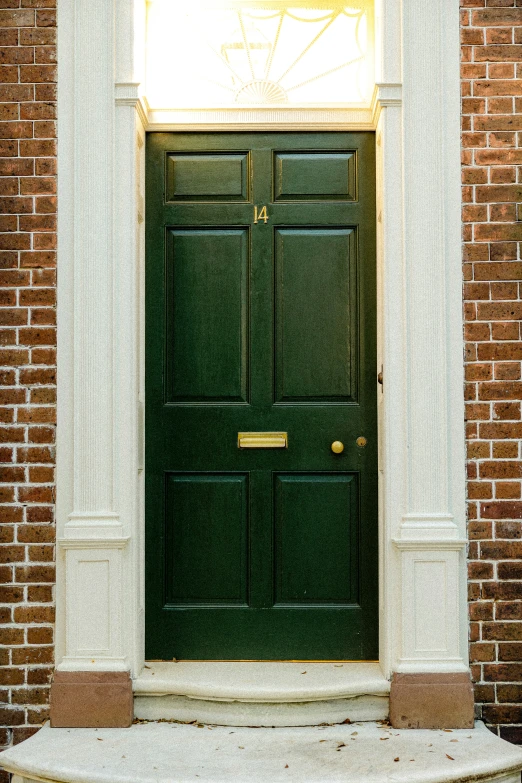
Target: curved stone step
{"type": "Point", "coordinates": [176, 753]}
{"type": "Point", "coordinates": [261, 693]}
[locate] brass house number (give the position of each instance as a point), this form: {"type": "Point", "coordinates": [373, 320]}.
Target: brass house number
{"type": "Point", "coordinates": [263, 215]}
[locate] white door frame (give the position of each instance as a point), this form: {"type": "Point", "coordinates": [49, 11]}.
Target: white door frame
{"type": "Point", "coordinates": [100, 518]}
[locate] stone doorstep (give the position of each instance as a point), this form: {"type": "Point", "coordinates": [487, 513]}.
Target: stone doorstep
{"type": "Point", "coordinates": [178, 753]}
{"type": "Point", "coordinates": [261, 693]}
{"type": "Point", "coordinates": [261, 681]}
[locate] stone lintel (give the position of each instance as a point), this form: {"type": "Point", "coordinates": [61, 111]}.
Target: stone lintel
{"type": "Point", "coordinates": [91, 700]}
{"type": "Point", "coordinates": [431, 701]}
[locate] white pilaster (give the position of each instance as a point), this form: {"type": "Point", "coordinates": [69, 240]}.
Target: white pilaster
{"type": "Point", "coordinates": [98, 503]}
{"type": "Point", "coordinates": [431, 534]}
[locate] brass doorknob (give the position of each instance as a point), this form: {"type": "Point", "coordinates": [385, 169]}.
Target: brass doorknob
{"type": "Point", "coordinates": [337, 447]}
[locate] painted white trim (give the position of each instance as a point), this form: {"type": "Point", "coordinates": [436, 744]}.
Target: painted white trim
{"type": "Point", "coordinates": [100, 332]}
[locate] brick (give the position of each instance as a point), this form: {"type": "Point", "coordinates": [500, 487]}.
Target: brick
{"type": "Point", "coordinates": [502, 509]}
{"type": "Point", "coordinates": [37, 73]}
{"type": "Point", "coordinates": [500, 550]}
{"type": "Point", "coordinates": [11, 716]}
{"type": "Point", "coordinates": [39, 259]}
{"type": "Point", "coordinates": [501, 430]}
{"type": "Point", "coordinates": [36, 573]}
{"type": "Point", "coordinates": [502, 631]}
{"type": "Point", "coordinates": [502, 713]}
{"type": "Point", "coordinates": [498, 53]}
{"type": "Point", "coordinates": [37, 37]}
{"type": "Point", "coordinates": [497, 17]}
{"type": "Point", "coordinates": [498, 87]}
{"type": "Point", "coordinates": [499, 311]}
{"type": "Point", "coordinates": [40, 593]}
{"type": "Point", "coordinates": [12, 676]}
{"type": "Point", "coordinates": [508, 490]}
{"type": "Point", "coordinates": [495, 390]}
{"type": "Point", "coordinates": [501, 469]}
{"type": "Point", "coordinates": [36, 534]}
{"type": "Point", "coordinates": [509, 651]}
{"type": "Point", "coordinates": [32, 655]}
{"type": "Point", "coordinates": [41, 676]}
{"type": "Point", "coordinates": [505, 450]}
{"type": "Point", "coordinates": [34, 614]}
{"type": "Point", "coordinates": [21, 18]}
{"type": "Point", "coordinates": [508, 291]}
{"type": "Point", "coordinates": [37, 185]}
{"type": "Point", "coordinates": [509, 693]}
{"type": "Point", "coordinates": [480, 490]}
{"type": "Point", "coordinates": [482, 652]}
{"type": "Point", "coordinates": [509, 570]}
{"type": "Point", "coordinates": [503, 251]}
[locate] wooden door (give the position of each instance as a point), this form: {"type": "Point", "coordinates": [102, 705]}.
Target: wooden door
{"type": "Point", "coordinates": [261, 318]}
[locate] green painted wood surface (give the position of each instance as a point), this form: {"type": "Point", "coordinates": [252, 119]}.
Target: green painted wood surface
{"type": "Point", "coordinates": [272, 553]}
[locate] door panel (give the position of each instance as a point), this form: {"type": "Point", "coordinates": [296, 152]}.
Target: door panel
{"type": "Point", "coordinates": [315, 274]}
{"type": "Point", "coordinates": [206, 552]}
{"type": "Point", "coordinates": [316, 535]}
{"type": "Point", "coordinates": [312, 176]}
{"type": "Point", "coordinates": [207, 315]}
{"type": "Point", "coordinates": [264, 326]}
{"type": "Point", "coordinates": [207, 177]}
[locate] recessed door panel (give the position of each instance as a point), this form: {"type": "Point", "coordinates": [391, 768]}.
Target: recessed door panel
{"type": "Point", "coordinates": [206, 177]}
{"type": "Point", "coordinates": [315, 176]}
{"type": "Point", "coordinates": [206, 535]}
{"type": "Point", "coordinates": [207, 315]}
{"type": "Point", "coordinates": [316, 521]}
{"type": "Point", "coordinates": [316, 315]}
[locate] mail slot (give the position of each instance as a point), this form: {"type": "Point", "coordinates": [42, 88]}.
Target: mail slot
{"type": "Point", "coordinates": [262, 440]}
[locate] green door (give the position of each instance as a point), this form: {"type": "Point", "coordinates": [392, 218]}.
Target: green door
{"type": "Point", "coordinates": [261, 318]}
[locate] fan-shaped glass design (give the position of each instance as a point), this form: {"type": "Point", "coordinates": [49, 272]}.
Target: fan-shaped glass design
{"type": "Point", "coordinates": [209, 54]}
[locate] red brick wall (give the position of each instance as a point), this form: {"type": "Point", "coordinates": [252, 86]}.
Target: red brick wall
{"type": "Point", "coordinates": [492, 186]}
{"type": "Point", "coordinates": [27, 361]}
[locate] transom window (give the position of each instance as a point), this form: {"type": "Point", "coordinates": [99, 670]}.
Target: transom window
{"type": "Point", "coordinates": [211, 54]}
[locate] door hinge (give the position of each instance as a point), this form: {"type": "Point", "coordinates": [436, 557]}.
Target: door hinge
{"type": "Point", "coordinates": [380, 377]}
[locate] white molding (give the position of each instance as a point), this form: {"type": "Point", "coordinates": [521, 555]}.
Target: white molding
{"type": "Point", "coordinates": [291, 118]}
{"type": "Point", "coordinates": [100, 514]}
{"type": "Point", "coordinates": [277, 118]}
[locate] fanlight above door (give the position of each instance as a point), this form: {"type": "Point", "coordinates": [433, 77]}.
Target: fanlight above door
{"type": "Point", "coordinates": [211, 54]}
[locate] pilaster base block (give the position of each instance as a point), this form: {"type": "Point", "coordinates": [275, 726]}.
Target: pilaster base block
{"type": "Point", "coordinates": [431, 701]}
{"type": "Point", "coordinates": [85, 700]}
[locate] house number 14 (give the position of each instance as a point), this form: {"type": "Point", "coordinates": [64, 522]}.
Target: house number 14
{"type": "Point", "coordinates": [263, 215]}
